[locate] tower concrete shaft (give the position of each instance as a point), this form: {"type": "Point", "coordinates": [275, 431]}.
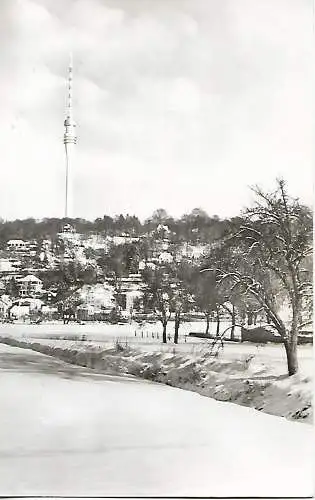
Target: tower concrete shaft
{"type": "Point", "coordinates": [69, 140]}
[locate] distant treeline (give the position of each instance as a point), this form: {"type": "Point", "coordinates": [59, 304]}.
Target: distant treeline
{"type": "Point", "coordinates": [195, 226]}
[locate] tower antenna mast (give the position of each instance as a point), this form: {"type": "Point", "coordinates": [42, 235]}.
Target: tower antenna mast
{"type": "Point", "coordinates": [69, 140]}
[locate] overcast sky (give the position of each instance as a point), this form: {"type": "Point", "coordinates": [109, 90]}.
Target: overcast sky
{"type": "Point", "coordinates": [179, 103]}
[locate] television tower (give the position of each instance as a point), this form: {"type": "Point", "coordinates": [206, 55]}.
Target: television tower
{"type": "Point", "coordinates": [69, 140]}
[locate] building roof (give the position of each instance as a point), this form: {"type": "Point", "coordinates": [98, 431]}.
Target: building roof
{"type": "Point", "coordinates": [30, 277]}
{"type": "Point", "coordinates": [15, 242]}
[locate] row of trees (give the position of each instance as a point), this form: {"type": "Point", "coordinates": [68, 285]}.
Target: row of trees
{"type": "Point", "coordinates": [175, 291]}
{"type": "Point", "coordinates": [196, 226]}
{"type": "Point", "coordinates": [262, 263]}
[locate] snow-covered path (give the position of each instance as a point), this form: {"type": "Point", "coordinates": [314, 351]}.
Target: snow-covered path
{"type": "Point", "coordinates": [67, 431]}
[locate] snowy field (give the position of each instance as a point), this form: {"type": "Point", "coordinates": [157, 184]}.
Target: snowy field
{"type": "Point", "coordinates": [66, 430]}
{"type": "Point", "coordinates": [271, 356]}
{"type": "Point", "coordinates": [101, 331]}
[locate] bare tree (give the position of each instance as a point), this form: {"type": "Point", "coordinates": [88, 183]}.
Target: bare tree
{"type": "Point", "coordinates": [201, 286]}
{"type": "Point", "coordinates": [180, 293]}
{"type": "Point", "coordinates": [267, 260]}
{"type": "Point", "coordinates": [181, 302]}
{"type": "Point", "coordinates": [156, 296]}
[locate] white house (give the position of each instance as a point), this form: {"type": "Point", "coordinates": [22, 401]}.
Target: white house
{"type": "Point", "coordinates": [24, 307]}
{"type": "Point", "coordinates": [9, 265]}
{"type": "Point", "coordinates": [165, 258]}
{"type": "Point", "coordinates": [100, 296]}
{"type": "Point", "coordinates": [30, 286]}
{"type": "Point", "coordinates": [5, 266]}
{"type": "Point", "coordinates": [96, 299]}
{"type": "Point", "coordinates": [18, 245]}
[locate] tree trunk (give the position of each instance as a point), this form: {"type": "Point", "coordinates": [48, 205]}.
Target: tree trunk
{"type": "Point", "coordinates": [291, 352]}
{"type": "Point", "coordinates": [177, 323]}
{"type": "Point", "coordinates": [290, 344]}
{"type": "Point", "coordinates": [164, 323]}
{"type": "Point", "coordinates": [250, 319]}
{"type": "Point", "coordinates": [208, 323]}
{"type": "Point", "coordinates": [233, 323]}
{"type": "Point", "coordinates": [218, 323]}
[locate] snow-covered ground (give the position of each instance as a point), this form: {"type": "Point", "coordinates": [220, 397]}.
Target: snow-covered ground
{"type": "Point", "coordinates": [103, 331]}
{"type": "Point", "coordinates": [66, 430]}
{"type": "Point", "coordinates": [270, 356]}
{"type": "Point", "coordinates": [243, 373]}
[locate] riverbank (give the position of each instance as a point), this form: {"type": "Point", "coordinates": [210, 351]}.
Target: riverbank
{"type": "Point", "coordinates": [247, 375]}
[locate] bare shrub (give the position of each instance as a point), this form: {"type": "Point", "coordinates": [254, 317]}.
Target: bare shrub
{"type": "Point", "coordinates": [151, 372]}
{"type": "Point", "coordinates": [121, 346]}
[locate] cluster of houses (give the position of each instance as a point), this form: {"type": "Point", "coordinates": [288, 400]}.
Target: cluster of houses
{"type": "Point", "coordinates": [100, 301]}
{"type": "Point", "coordinates": [28, 290]}
{"type": "Point", "coordinates": [22, 262]}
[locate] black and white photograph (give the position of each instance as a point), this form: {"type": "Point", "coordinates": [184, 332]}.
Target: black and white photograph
{"type": "Point", "coordinates": [156, 248]}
